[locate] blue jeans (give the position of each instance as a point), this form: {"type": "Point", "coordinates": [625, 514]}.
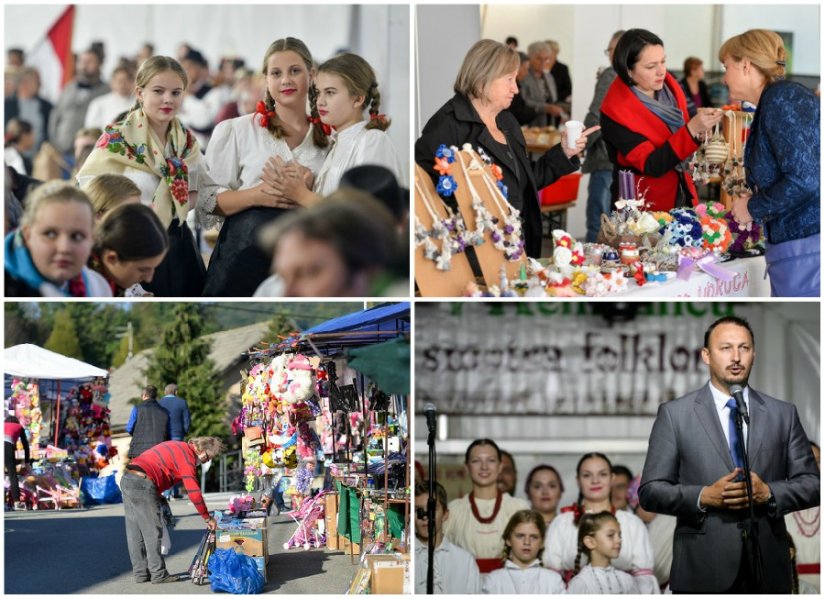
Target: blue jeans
{"type": "Point", "coordinates": [598, 201]}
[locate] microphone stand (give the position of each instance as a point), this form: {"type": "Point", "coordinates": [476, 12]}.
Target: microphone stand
{"type": "Point", "coordinates": [431, 502]}
{"type": "Point", "coordinates": [750, 530]}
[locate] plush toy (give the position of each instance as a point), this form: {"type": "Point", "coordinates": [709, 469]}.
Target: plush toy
{"type": "Point", "coordinates": [301, 380]}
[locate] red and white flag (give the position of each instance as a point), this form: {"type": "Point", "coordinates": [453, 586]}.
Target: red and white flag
{"type": "Point", "coordinates": [52, 56]}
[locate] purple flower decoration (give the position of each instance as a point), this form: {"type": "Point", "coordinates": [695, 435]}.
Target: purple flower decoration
{"type": "Point", "coordinates": [446, 186]}
{"type": "Point", "coordinates": [444, 152]}
{"type": "Point", "coordinates": [508, 229]}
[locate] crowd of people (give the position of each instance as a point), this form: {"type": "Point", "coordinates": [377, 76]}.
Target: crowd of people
{"type": "Point", "coordinates": [672, 528]}
{"type": "Point", "coordinates": [652, 125]}
{"type": "Point", "coordinates": [230, 154]}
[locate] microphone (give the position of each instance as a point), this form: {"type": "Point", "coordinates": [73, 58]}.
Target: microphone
{"type": "Point", "coordinates": [736, 391]}
{"type": "Point", "coordinates": [429, 411]}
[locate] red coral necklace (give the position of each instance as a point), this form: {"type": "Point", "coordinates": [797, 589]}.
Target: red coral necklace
{"type": "Point", "coordinates": [496, 508]}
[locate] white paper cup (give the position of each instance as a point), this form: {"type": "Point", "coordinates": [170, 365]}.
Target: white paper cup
{"type": "Point", "coordinates": [573, 131]}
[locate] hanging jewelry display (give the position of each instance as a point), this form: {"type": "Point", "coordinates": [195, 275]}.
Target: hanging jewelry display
{"type": "Point", "coordinates": [710, 156]}
{"type": "Point", "coordinates": [733, 170]}
{"type": "Point", "coordinates": [450, 231]}
{"type": "Point", "coordinates": [507, 235]}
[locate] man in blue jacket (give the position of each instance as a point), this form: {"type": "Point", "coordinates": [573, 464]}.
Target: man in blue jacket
{"type": "Point", "coordinates": [178, 423]}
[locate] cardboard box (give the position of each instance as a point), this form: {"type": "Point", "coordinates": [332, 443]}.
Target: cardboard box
{"type": "Point", "coordinates": [344, 545]}
{"type": "Point", "coordinates": [331, 520]}
{"type": "Point", "coordinates": [389, 574]}
{"type": "Point", "coordinates": [249, 542]}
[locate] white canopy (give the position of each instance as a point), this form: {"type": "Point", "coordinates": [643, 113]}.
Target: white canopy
{"type": "Point", "coordinates": [31, 361]}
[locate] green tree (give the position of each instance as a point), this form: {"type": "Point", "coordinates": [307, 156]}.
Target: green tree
{"type": "Point", "coordinates": [182, 356]}
{"type": "Point", "coordinates": [122, 352]}
{"type": "Point", "coordinates": [63, 338]}
{"type": "Point", "coordinates": [279, 326]}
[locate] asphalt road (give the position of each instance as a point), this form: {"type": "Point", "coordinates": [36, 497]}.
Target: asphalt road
{"type": "Point", "coordinates": [84, 551]}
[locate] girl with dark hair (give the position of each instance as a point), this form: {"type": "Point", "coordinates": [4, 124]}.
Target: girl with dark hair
{"type": "Point", "coordinates": [238, 197]}
{"type": "Point", "coordinates": [594, 476]}
{"type": "Point", "coordinates": [130, 243]}
{"type": "Point", "coordinates": [600, 541]}
{"type": "Point", "coordinates": [646, 127]}
{"type": "Point", "coordinates": [523, 573]}
{"type": "Point", "coordinates": [544, 489]}
{"type": "Point", "coordinates": [162, 157]}
{"type": "Point", "coordinates": [477, 521]}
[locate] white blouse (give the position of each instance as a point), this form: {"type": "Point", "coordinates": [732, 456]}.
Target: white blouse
{"type": "Point", "coordinates": [513, 580]}
{"type": "Point", "coordinates": [235, 158]}
{"type": "Point", "coordinates": [636, 556]}
{"type": "Point", "coordinates": [484, 541]}
{"type": "Point", "coordinates": [354, 146]}
{"type": "Point", "coordinates": [455, 571]}
{"type": "Point", "coordinates": [602, 581]}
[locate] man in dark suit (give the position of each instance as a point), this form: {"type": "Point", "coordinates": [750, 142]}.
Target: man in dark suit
{"type": "Point", "coordinates": [178, 424]}
{"type": "Point", "coordinates": [691, 473]}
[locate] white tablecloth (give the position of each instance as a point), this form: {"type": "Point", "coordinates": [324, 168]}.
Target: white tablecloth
{"type": "Point", "coordinates": [749, 281]}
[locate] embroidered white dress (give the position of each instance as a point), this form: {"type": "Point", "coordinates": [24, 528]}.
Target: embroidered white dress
{"type": "Point", "coordinates": [355, 146]}
{"type": "Point", "coordinates": [602, 581]}
{"type": "Point", "coordinates": [635, 558]}
{"type": "Point", "coordinates": [804, 528]}
{"type": "Point", "coordinates": [455, 571]}
{"type": "Point", "coordinates": [513, 580]}
{"type": "Point", "coordinates": [235, 158]}
{"type": "Point", "coordinates": [482, 540]}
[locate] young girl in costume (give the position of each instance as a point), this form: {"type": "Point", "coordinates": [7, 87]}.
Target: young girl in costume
{"type": "Point", "coordinates": [523, 573]}
{"type": "Point", "coordinates": [153, 149]}
{"type": "Point", "coordinates": [600, 540]}
{"type": "Point", "coordinates": [346, 88]}
{"type": "Point", "coordinates": [130, 243]}
{"type": "Point", "coordinates": [237, 197]}
{"type": "Point", "coordinates": [544, 489]}
{"type": "Point", "coordinates": [47, 255]}
{"type": "Point", "coordinates": [594, 475]}
{"type": "Point", "coordinates": [107, 192]}
{"type": "Point", "coordinates": [478, 520]}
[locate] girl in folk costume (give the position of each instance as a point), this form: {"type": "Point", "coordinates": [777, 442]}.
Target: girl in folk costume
{"type": "Point", "coordinates": [130, 243]}
{"type": "Point", "coordinates": [600, 539]}
{"type": "Point", "coordinates": [477, 521]}
{"type": "Point", "coordinates": [346, 87]}
{"type": "Point", "coordinates": [593, 475]}
{"type": "Point", "coordinates": [152, 148]}
{"type": "Point", "coordinates": [47, 255]}
{"type": "Point", "coordinates": [238, 197]}
{"type": "Point", "coordinates": [523, 573]}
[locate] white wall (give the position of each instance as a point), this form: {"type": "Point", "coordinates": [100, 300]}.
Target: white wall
{"type": "Point", "coordinates": [583, 32]}
{"type": "Point", "coordinates": [378, 32]}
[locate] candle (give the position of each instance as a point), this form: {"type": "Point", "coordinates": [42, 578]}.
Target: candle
{"type": "Point", "coordinates": [631, 186]}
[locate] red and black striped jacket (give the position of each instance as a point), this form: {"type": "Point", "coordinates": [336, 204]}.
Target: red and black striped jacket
{"type": "Point", "coordinates": [169, 463]}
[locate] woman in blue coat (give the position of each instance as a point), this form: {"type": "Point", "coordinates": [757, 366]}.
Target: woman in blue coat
{"type": "Point", "coordinates": [781, 160]}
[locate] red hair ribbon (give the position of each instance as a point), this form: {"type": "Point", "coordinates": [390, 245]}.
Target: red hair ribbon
{"type": "Point", "coordinates": [316, 120]}
{"type": "Point", "coordinates": [378, 117]}
{"type": "Point", "coordinates": [266, 115]}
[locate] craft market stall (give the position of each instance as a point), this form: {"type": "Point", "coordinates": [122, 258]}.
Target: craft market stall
{"type": "Point", "coordinates": [62, 403]}
{"type": "Point", "coordinates": [477, 250]}
{"type": "Point", "coordinates": [325, 425]}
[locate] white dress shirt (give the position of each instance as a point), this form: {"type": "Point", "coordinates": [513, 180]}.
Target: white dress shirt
{"type": "Point", "coordinates": [514, 580]}
{"type": "Point", "coordinates": [720, 399]}
{"type": "Point", "coordinates": [455, 571]}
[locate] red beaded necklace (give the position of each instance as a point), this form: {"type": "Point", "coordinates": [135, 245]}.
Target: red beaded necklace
{"type": "Point", "coordinates": [496, 508]}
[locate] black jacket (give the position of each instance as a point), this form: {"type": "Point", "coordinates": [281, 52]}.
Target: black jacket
{"type": "Point", "coordinates": [457, 123]}
{"type": "Point", "coordinates": [703, 95]}
{"type": "Point", "coordinates": [564, 86]}
{"type": "Point", "coordinates": [151, 427]}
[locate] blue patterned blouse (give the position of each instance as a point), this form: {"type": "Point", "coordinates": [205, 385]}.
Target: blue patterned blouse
{"type": "Point", "coordinates": [782, 162]}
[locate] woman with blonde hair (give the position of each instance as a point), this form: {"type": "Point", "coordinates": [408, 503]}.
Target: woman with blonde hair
{"type": "Point", "coordinates": [237, 197]}
{"type": "Point", "coordinates": [107, 192]}
{"type": "Point", "coordinates": [151, 147]}
{"type": "Point", "coordinates": [781, 160]}
{"type": "Point", "coordinates": [477, 115]}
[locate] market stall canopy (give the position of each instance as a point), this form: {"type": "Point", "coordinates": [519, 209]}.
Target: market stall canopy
{"type": "Point", "coordinates": [30, 361]}
{"type": "Point", "coordinates": [387, 364]}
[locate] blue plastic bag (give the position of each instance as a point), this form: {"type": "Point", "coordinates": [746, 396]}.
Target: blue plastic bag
{"type": "Point", "coordinates": [97, 490]}
{"type": "Point", "coordinates": [234, 573]}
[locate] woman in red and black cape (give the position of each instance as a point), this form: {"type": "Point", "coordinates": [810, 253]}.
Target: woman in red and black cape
{"type": "Point", "coordinates": [646, 126]}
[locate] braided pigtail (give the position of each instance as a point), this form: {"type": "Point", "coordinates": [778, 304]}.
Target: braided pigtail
{"type": "Point", "coordinates": [578, 562]}
{"type": "Point", "coordinates": [377, 120]}
{"type": "Point", "coordinates": [273, 125]}
{"type": "Point", "coordinates": [319, 134]}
